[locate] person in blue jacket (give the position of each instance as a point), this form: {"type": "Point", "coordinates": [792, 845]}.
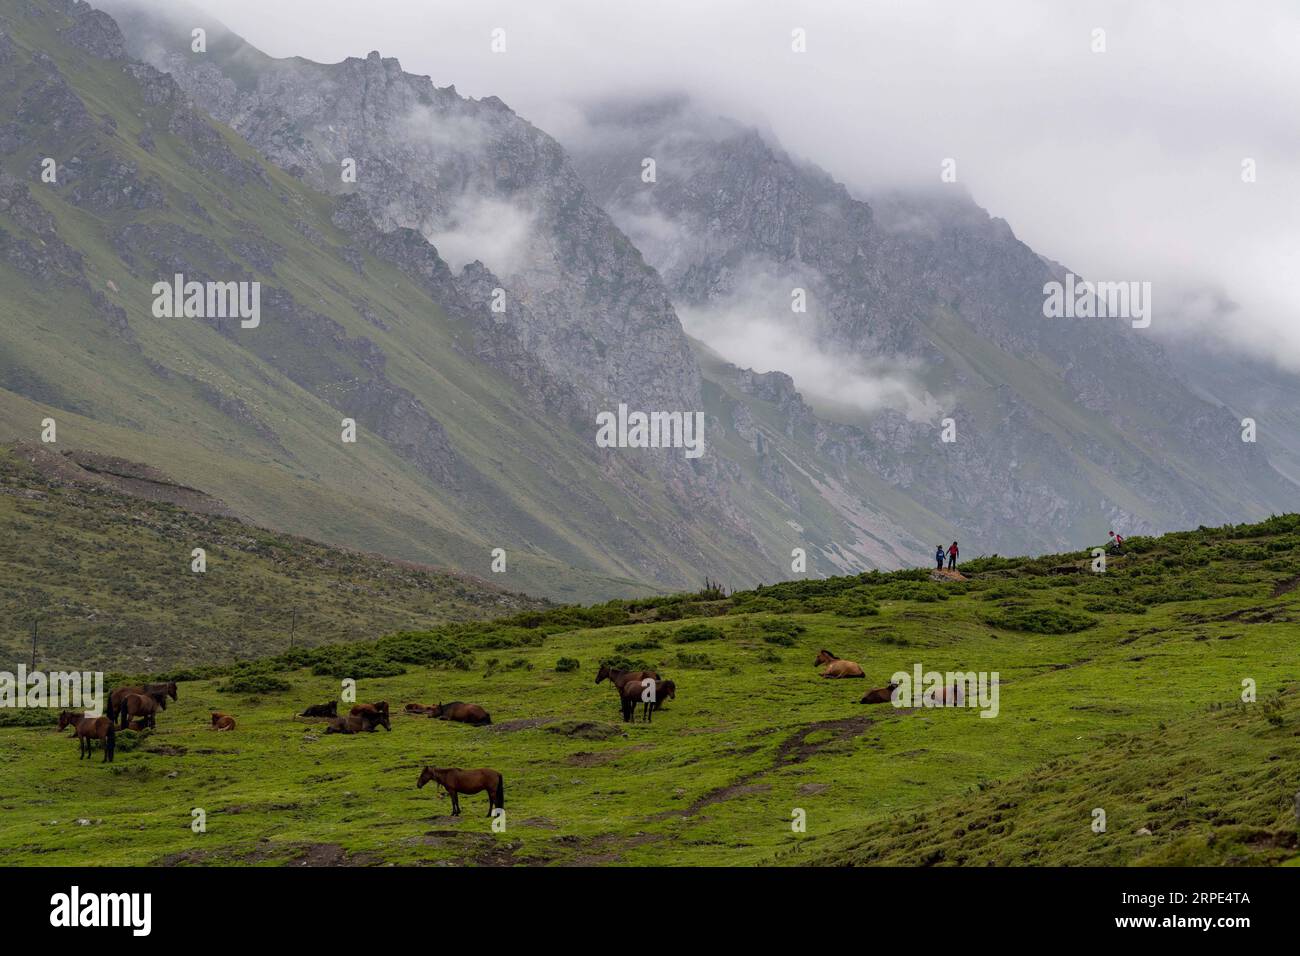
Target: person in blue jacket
{"type": "Point", "coordinates": [938, 556]}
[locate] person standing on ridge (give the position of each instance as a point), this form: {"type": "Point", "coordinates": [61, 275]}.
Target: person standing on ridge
{"type": "Point", "coordinates": [938, 557]}
{"type": "Point", "coordinates": [952, 556]}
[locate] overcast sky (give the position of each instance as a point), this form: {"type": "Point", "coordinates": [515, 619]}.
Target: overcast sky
{"type": "Point", "coordinates": [1125, 164]}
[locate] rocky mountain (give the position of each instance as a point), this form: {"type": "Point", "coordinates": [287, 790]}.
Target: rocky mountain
{"type": "Point", "coordinates": [472, 295]}
{"type": "Point", "coordinates": [1062, 426]}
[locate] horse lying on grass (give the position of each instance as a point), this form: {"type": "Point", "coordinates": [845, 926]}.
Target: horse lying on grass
{"type": "Point", "coordinates": [837, 667]}
{"type": "Point", "coordinates": [461, 712]}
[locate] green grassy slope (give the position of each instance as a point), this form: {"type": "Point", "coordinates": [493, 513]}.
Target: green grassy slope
{"type": "Point", "coordinates": [1120, 714]}
{"type": "Point", "coordinates": [108, 577]}
{"type": "Point", "coordinates": [254, 415]}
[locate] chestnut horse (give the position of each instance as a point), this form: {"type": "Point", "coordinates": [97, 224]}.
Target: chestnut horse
{"type": "Point", "coordinates": [167, 689]}
{"type": "Point", "coordinates": [456, 781]}
{"type": "Point", "coordinates": [881, 695]}
{"type": "Point", "coordinates": [144, 706]}
{"type": "Point", "coordinates": [89, 729]}
{"type": "Point", "coordinates": [364, 722]}
{"type": "Point", "coordinates": [222, 721]}
{"type": "Point", "coordinates": [836, 667]}
{"type": "Point", "coordinates": [619, 677]}
{"type": "Point", "coordinates": [462, 712]}
{"type": "Point", "coordinates": [376, 713]}
{"type": "Point", "coordinates": [414, 709]}
{"type": "Point", "coordinates": [632, 693]}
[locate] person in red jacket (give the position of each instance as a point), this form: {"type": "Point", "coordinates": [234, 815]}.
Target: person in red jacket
{"type": "Point", "coordinates": [952, 556]}
{"type": "Point", "coordinates": [1117, 541]}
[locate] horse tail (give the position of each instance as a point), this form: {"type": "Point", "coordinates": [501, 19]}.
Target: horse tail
{"type": "Point", "coordinates": [112, 715]}
{"type": "Point", "coordinates": [501, 791]}
{"type": "Point", "coordinates": [110, 742]}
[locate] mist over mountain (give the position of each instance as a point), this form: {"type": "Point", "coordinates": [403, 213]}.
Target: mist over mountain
{"type": "Point", "coordinates": [874, 371]}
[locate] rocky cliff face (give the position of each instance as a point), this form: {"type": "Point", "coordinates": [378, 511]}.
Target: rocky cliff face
{"type": "Point", "coordinates": [1062, 425]}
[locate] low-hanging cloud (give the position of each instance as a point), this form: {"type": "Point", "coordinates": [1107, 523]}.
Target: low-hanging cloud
{"type": "Point", "coordinates": [492, 231]}
{"type": "Point", "coordinates": [1123, 163]}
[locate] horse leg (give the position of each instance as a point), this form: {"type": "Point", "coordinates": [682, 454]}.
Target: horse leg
{"type": "Point", "coordinates": [455, 803]}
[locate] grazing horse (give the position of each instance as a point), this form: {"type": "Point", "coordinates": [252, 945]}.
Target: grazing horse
{"type": "Point", "coordinates": [89, 729]}
{"type": "Point", "coordinates": [836, 667]}
{"type": "Point", "coordinates": [364, 722]}
{"type": "Point", "coordinates": [632, 693]}
{"type": "Point", "coordinates": [419, 709]}
{"type": "Point", "coordinates": [322, 710]}
{"type": "Point", "coordinates": [619, 677]}
{"type": "Point", "coordinates": [144, 706]}
{"type": "Point", "coordinates": [167, 689]}
{"type": "Point", "coordinates": [881, 695]}
{"type": "Point", "coordinates": [462, 712]}
{"type": "Point", "coordinates": [222, 721]}
{"type": "Point", "coordinates": [456, 781]}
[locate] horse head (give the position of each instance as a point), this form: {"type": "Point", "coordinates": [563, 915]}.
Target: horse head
{"type": "Point", "coordinates": [603, 673]}
{"type": "Point", "coordinates": [825, 657]}
{"type": "Point", "coordinates": [66, 719]}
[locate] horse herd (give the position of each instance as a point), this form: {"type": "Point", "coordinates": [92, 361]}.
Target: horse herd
{"type": "Point", "coordinates": [137, 706]}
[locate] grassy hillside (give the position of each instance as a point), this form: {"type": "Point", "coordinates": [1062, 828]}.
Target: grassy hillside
{"type": "Point", "coordinates": [108, 577]}
{"type": "Point", "coordinates": [1118, 690]}
{"type": "Point", "coordinates": [452, 458]}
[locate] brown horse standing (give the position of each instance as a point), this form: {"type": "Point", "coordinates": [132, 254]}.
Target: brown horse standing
{"type": "Point", "coordinates": [632, 693]}
{"type": "Point", "coordinates": [222, 721]}
{"type": "Point", "coordinates": [456, 781]}
{"type": "Point", "coordinates": [462, 712]}
{"type": "Point", "coordinates": [167, 689]}
{"type": "Point", "coordinates": [837, 667]}
{"type": "Point", "coordinates": [144, 706]}
{"type": "Point", "coordinates": [619, 677]}
{"type": "Point", "coordinates": [89, 729]}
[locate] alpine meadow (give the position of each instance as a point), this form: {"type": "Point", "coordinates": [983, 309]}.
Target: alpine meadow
{"type": "Point", "coordinates": [557, 459]}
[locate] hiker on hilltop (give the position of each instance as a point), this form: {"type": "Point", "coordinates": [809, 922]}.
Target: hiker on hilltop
{"type": "Point", "coordinates": [1117, 542]}
{"type": "Point", "coordinates": [952, 556]}
{"type": "Point", "coordinates": [938, 557]}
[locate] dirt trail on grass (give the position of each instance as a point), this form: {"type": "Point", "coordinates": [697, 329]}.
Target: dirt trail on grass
{"type": "Point", "coordinates": [795, 749]}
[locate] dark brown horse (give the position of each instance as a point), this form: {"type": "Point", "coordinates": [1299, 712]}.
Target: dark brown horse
{"type": "Point", "coordinates": [456, 781]}
{"type": "Point", "coordinates": [167, 689]}
{"type": "Point", "coordinates": [836, 667]}
{"type": "Point", "coordinates": [89, 729]}
{"type": "Point", "coordinates": [322, 710]}
{"type": "Point", "coordinates": [619, 677]}
{"type": "Point", "coordinates": [364, 722]}
{"type": "Point", "coordinates": [881, 695]}
{"type": "Point", "coordinates": [377, 713]}
{"type": "Point", "coordinates": [635, 692]}
{"type": "Point", "coordinates": [222, 721]}
{"type": "Point", "coordinates": [462, 712]}
{"type": "Point", "coordinates": [144, 706]}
